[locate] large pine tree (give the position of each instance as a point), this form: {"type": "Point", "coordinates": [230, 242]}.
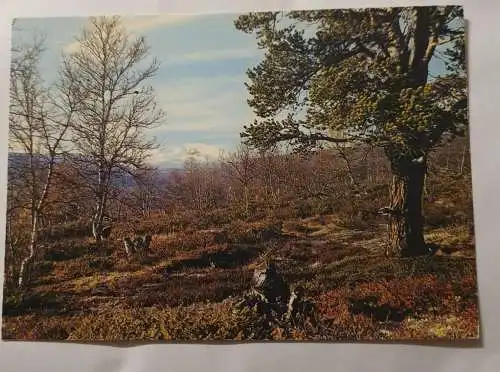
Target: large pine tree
{"type": "Point", "coordinates": [365, 73]}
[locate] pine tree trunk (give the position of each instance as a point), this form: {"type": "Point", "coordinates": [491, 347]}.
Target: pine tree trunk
{"type": "Point", "coordinates": [406, 221]}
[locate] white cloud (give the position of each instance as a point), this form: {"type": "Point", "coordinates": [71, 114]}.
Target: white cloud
{"type": "Point", "coordinates": [143, 23]}
{"type": "Point", "coordinates": [211, 55]}
{"type": "Point", "coordinates": [194, 126]}
{"type": "Point", "coordinates": [72, 47]}
{"type": "Point", "coordinates": [138, 24]}
{"type": "Point", "coordinates": [215, 104]}
{"type": "Point", "coordinates": [177, 155]}
{"type": "Point", "coordinates": [202, 150]}
{"type": "Point", "coordinates": [186, 88]}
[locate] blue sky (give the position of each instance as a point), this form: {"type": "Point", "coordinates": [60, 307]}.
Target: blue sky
{"type": "Point", "coordinates": [199, 84]}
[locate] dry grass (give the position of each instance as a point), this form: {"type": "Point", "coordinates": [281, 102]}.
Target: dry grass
{"type": "Point", "coordinates": [176, 295]}
{"type": "Point", "coordinates": [200, 263]}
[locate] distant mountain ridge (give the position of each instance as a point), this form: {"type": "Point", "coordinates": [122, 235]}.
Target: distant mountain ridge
{"type": "Point", "coordinates": [122, 178]}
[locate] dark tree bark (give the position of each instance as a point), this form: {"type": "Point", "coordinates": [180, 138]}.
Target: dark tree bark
{"type": "Point", "coordinates": [406, 221]}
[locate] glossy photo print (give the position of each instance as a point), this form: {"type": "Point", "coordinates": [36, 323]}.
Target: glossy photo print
{"type": "Point", "coordinates": [285, 176]}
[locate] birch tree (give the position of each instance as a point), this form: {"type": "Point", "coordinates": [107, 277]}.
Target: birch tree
{"type": "Point", "coordinates": [240, 166]}
{"type": "Point", "coordinates": [111, 69]}
{"type": "Point", "coordinates": [38, 124]}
